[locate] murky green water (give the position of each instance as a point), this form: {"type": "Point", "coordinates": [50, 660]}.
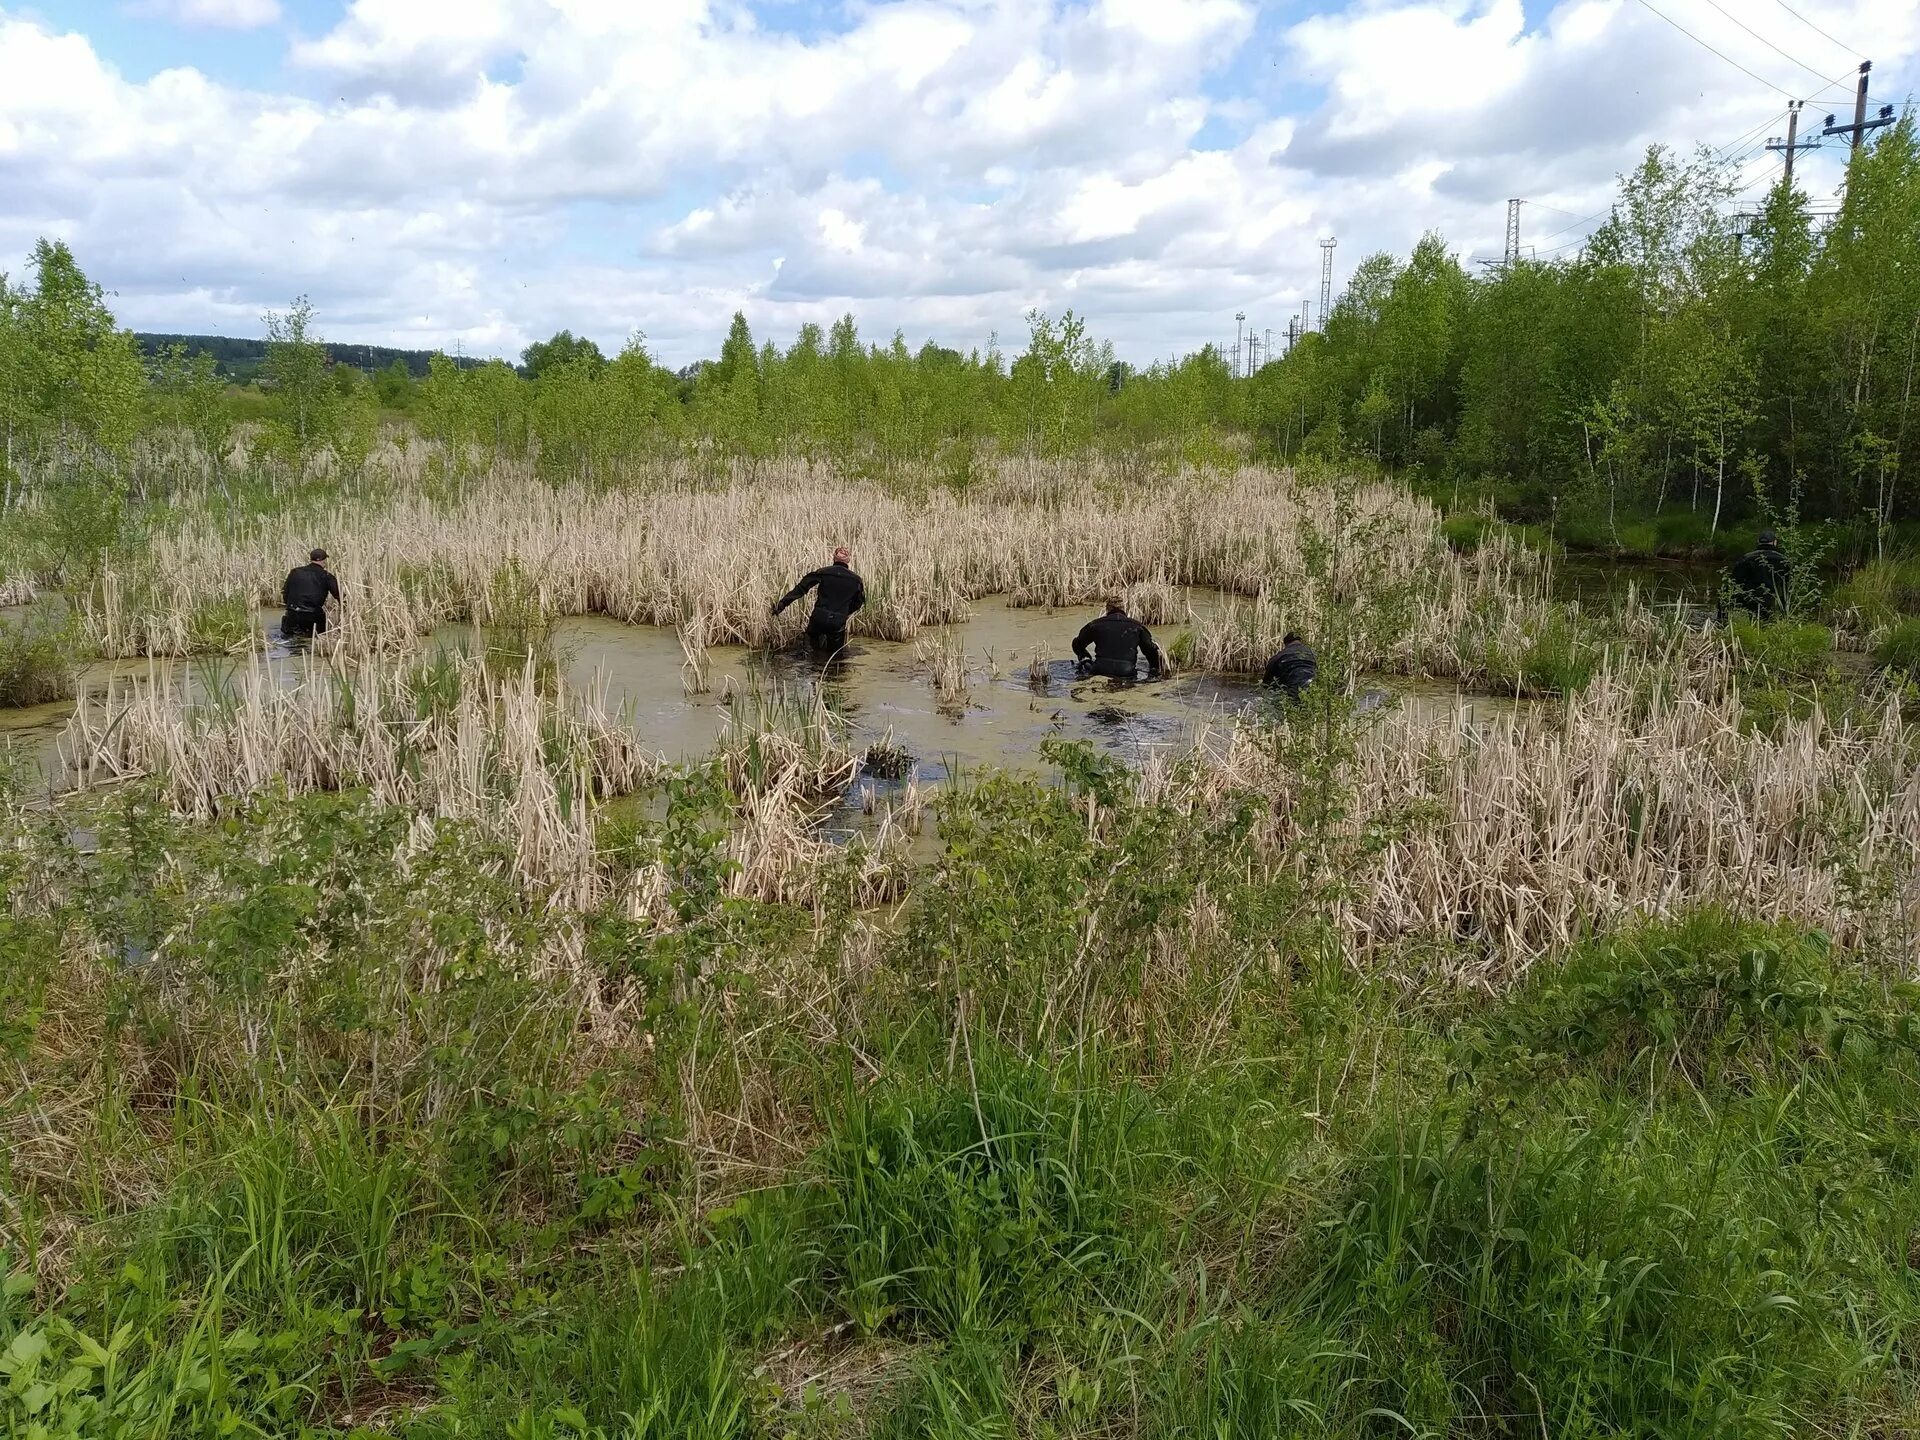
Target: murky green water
{"type": "Point", "coordinates": [1597, 581]}
{"type": "Point", "coordinates": [881, 691]}
{"type": "Point", "coordinates": [884, 692]}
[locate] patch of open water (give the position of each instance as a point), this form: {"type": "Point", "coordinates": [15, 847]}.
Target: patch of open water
{"type": "Point", "coordinates": [881, 690]}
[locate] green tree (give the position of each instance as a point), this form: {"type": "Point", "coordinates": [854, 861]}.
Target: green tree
{"type": "Point", "coordinates": [394, 387]}
{"type": "Point", "coordinates": [189, 397]}
{"type": "Point", "coordinates": [564, 348]}
{"type": "Point", "coordinates": [296, 374]}
{"type": "Point", "coordinates": [73, 382]}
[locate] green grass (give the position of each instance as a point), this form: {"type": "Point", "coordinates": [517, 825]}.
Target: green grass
{"type": "Point", "coordinates": [1880, 593]}
{"type": "Point", "coordinates": [1899, 648]}
{"type": "Point", "coordinates": [338, 1159]}
{"type": "Point", "coordinates": [37, 662]}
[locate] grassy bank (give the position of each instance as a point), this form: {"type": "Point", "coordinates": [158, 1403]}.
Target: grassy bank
{"type": "Point", "coordinates": [394, 1047]}
{"type": "Point", "coordinates": [302, 1141]}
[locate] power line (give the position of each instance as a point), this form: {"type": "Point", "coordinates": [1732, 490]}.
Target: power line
{"type": "Point", "coordinates": [1817, 30]}
{"type": "Point", "coordinates": [1725, 152]}
{"type": "Point", "coordinates": [1763, 39]}
{"type": "Point", "coordinates": [1648, 5]}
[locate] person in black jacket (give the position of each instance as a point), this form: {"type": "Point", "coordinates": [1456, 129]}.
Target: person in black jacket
{"type": "Point", "coordinates": [1760, 580]}
{"type": "Point", "coordinates": [1117, 641]}
{"type": "Point", "coordinates": [840, 594]}
{"type": "Point", "coordinates": [305, 594]}
{"type": "Point", "coordinates": [1293, 668]}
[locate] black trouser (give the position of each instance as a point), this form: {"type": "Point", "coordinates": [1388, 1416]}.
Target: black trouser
{"type": "Point", "coordinates": [826, 632]}
{"type": "Point", "coordinates": [299, 622]}
{"type": "Point", "coordinates": [1114, 669]}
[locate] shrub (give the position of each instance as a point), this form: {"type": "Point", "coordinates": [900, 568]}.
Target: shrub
{"type": "Point", "coordinates": [1783, 650]}
{"type": "Point", "coordinates": [1899, 648]}
{"type": "Point", "coordinates": [36, 663]}
{"type": "Point", "coordinates": [1882, 592]}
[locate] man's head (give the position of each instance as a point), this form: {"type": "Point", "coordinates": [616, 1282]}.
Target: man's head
{"type": "Point", "coordinates": [317, 556]}
{"type": "Point", "coordinates": [1292, 639]}
{"type": "Point", "coordinates": [1114, 607]}
{"type": "Point", "coordinates": [1769, 540]}
{"type": "Point", "coordinates": [842, 556]}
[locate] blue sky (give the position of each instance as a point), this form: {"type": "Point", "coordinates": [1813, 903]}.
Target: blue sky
{"type": "Point", "coordinates": [479, 173]}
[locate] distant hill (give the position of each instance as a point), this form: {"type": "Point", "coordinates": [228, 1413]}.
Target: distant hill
{"type": "Point", "coordinates": [240, 360]}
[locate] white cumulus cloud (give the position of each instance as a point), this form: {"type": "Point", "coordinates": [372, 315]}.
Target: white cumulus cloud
{"type": "Point", "coordinates": [222, 14]}
{"type": "Point", "coordinates": [484, 172]}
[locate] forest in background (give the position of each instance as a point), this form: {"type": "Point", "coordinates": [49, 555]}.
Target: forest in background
{"type": "Point", "coordinates": [1677, 376]}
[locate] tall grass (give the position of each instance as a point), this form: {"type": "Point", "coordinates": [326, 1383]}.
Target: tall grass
{"type": "Point", "coordinates": [398, 1048]}
{"type": "Point", "coordinates": [37, 662]}
{"type": "Point", "coordinates": [663, 547]}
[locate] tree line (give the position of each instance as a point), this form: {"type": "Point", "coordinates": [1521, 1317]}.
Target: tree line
{"type": "Point", "coordinates": [1680, 364]}
{"type": "Point", "coordinates": [1684, 361]}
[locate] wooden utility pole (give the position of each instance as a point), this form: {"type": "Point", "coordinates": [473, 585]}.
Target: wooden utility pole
{"type": "Point", "coordinates": [1858, 129]}
{"type": "Point", "coordinates": [1793, 142]}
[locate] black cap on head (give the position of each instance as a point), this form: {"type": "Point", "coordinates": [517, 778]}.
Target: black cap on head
{"type": "Point", "coordinates": [1292, 639]}
{"type": "Point", "coordinates": [1767, 537]}
{"type": "Point", "coordinates": [316, 554]}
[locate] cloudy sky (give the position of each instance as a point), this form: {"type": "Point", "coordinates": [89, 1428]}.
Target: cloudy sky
{"type": "Point", "coordinates": [479, 173]}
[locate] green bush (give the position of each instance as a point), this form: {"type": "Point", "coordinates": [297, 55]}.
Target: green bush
{"type": "Point", "coordinates": [1882, 592]}
{"type": "Point", "coordinates": [220, 625]}
{"type": "Point", "coordinates": [1557, 658]}
{"type": "Point", "coordinates": [1899, 648]}
{"type": "Point", "coordinates": [1465, 532]}
{"type": "Point", "coordinates": [1782, 649]}
{"type": "Point", "coordinates": [36, 663]}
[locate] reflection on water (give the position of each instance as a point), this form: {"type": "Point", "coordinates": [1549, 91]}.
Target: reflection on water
{"type": "Point", "coordinates": [1598, 582]}
{"type": "Point", "coordinates": [882, 690]}
{"type": "Point", "coordinates": [1020, 689]}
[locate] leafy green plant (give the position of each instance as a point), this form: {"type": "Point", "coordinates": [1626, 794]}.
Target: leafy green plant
{"type": "Point", "coordinates": [1899, 648]}
{"type": "Point", "coordinates": [37, 662]}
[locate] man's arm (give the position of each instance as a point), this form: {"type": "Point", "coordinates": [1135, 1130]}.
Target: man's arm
{"type": "Point", "coordinates": [807, 582]}
{"type": "Point", "coordinates": [1152, 652]}
{"type": "Point", "coordinates": [333, 588]}
{"type": "Point", "coordinates": [1082, 641]}
{"type": "Point", "coordinates": [286, 591]}
{"type": "Point", "coordinates": [859, 594]}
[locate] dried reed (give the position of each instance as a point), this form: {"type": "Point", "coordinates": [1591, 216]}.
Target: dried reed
{"type": "Point", "coordinates": [662, 549]}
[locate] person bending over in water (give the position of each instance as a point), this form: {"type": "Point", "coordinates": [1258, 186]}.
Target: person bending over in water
{"type": "Point", "coordinates": [841, 593]}
{"type": "Point", "coordinates": [1117, 641]}
{"type": "Point", "coordinates": [1762, 579]}
{"type": "Point", "coordinates": [1293, 668]}
{"type": "Point", "coordinates": [305, 595]}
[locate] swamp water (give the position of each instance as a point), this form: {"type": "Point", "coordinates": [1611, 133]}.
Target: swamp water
{"type": "Point", "coordinates": [883, 692]}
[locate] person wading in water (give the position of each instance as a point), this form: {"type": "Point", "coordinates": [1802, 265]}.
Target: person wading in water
{"type": "Point", "coordinates": [1117, 641]}
{"type": "Point", "coordinates": [1762, 579]}
{"type": "Point", "coordinates": [840, 594]}
{"type": "Point", "coordinates": [305, 594]}
{"type": "Point", "coordinates": [1293, 667]}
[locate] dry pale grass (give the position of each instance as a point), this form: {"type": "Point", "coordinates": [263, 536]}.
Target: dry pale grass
{"type": "Point", "coordinates": [1509, 839]}
{"type": "Point", "coordinates": [501, 752]}
{"type": "Point", "coordinates": [529, 766]}
{"type": "Point", "coordinates": [1514, 836]}
{"type": "Point", "coordinates": [707, 560]}
{"type": "Point", "coordinates": [1444, 623]}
